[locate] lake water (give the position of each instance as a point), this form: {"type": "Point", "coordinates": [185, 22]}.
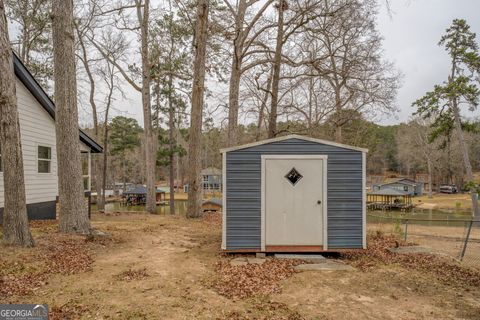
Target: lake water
{"type": "Point", "coordinates": [428, 214]}
{"type": "Point", "coordinates": [452, 216]}
{"type": "Point", "coordinates": [180, 207]}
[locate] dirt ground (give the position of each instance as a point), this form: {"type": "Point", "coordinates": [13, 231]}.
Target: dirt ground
{"type": "Point", "coordinates": [162, 267]}
{"type": "Point", "coordinates": [441, 239]}
{"type": "Point", "coordinates": [459, 201]}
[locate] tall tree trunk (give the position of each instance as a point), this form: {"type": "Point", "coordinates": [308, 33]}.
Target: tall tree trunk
{"type": "Point", "coordinates": [73, 211]}
{"type": "Point", "coordinates": [171, 141]}
{"type": "Point", "coordinates": [263, 107]}
{"type": "Point", "coordinates": [277, 63]}
{"type": "Point", "coordinates": [338, 121]}
{"type": "Point", "coordinates": [124, 169]}
{"type": "Point", "coordinates": [463, 146]}
{"type": "Point", "coordinates": [429, 168]}
{"type": "Point", "coordinates": [104, 169]}
{"type": "Point", "coordinates": [195, 133]}
{"type": "Point", "coordinates": [97, 165]}
{"type": "Point", "coordinates": [466, 159]}
{"type": "Point", "coordinates": [143, 19]}
{"type": "Point", "coordinates": [338, 133]}
{"type": "Point", "coordinates": [235, 74]}
{"type": "Point", "coordinates": [232, 133]}
{"type": "Point", "coordinates": [15, 220]}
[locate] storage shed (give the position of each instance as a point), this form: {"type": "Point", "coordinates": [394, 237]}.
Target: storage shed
{"type": "Point", "coordinates": [293, 194]}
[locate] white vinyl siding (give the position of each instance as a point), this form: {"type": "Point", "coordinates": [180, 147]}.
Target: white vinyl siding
{"type": "Point", "coordinates": [37, 128]}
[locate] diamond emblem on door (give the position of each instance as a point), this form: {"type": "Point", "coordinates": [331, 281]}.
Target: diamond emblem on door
{"type": "Point", "coordinates": [293, 176]}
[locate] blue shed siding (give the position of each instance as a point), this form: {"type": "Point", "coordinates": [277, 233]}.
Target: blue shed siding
{"type": "Point", "coordinates": [243, 193]}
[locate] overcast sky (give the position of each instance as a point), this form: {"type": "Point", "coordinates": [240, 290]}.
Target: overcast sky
{"type": "Point", "coordinates": [411, 34]}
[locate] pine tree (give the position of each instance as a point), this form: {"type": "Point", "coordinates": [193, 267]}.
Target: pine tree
{"type": "Point", "coordinates": [443, 103]}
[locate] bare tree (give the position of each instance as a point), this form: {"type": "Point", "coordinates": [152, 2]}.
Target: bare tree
{"type": "Point", "coordinates": [86, 61]}
{"type": "Point", "coordinates": [142, 11]}
{"type": "Point", "coordinates": [109, 76]}
{"type": "Point", "coordinates": [244, 38]}
{"type": "Point", "coordinates": [414, 147]}
{"type": "Point", "coordinates": [15, 220]}
{"type": "Point", "coordinates": [195, 133]}
{"type": "Point", "coordinates": [143, 19]}
{"type": "Point", "coordinates": [357, 77]}
{"type": "Point", "coordinates": [277, 61]}
{"type": "Point", "coordinates": [73, 210]}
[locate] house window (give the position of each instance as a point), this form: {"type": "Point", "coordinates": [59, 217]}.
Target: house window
{"type": "Point", "coordinates": [205, 182]}
{"type": "Point", "coordinates": [405, 188]}
{"type": "Point", "coordinates": [44, 159]}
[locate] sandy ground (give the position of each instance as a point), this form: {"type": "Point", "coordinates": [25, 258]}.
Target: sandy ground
{"type": "Point", "coordinates": [457, 201]}
{"type": "Point", "coordinates": [179, 257]}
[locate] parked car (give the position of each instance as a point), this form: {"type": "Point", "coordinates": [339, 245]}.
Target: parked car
{"type": "Point", "coordinates": [448, 189]}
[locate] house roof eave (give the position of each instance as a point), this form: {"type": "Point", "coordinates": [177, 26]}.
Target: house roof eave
{"type": "Point", "coordinates": [24, 75]}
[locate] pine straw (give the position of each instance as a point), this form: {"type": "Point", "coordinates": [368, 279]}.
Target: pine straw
{"type": "Point", "coordinates": [69, 311]}
{"type": "Point", "coordinates": [264, 310]}
{"type": "Point", "coordinates": [67, 254]}
{"type": "Point", "coordinates": [448, 271]}
{"type": "Point", "coordinates": [54, 254]}
{"type": "Point", "coordinates": [21, 284]}
{"type": "Point", "coordinates": [213, 220]}
{"type": "Point", "coordinates": [253, 279]}
{"type": "Point", "coordinates": [131, 275]}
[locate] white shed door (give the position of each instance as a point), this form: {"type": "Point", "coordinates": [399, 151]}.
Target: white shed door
{"type": "Point", "coordinates": [293, 202]}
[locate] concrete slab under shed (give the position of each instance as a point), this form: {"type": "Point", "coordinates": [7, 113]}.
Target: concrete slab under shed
{"type": "Point", "coordinates": [329, 265]}
{"type": "Point", "coordinates": [307, 257]}
{"type": "Point", "coordinates": [243, 261]}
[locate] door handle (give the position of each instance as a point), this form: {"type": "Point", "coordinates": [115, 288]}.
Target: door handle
{"type": "Point", "coordinates": [319, 202]}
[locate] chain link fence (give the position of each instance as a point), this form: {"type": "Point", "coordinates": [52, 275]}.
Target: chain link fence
{"type": "Point", "coordinates": [456, 238]}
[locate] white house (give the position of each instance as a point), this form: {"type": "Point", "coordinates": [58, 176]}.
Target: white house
{"type": "Point", "coordinates": [37, 129]}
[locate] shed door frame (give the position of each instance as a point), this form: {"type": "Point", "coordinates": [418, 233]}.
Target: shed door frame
{"type": "Point", "coordinates": [325, 194]}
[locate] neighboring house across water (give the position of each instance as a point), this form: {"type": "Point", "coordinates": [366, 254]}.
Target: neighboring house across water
{"type": "Point", "coordinates": [409, 186]}
{"type": "Point", "coordinates": [212, 178]}
{"type": "Point", "coordinates": [37, 129]}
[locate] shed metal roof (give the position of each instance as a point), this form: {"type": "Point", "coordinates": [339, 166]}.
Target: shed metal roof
{"type": "Point", "coordinates": [389, 192]}
{"type": "Point", "coordinates": [37, 91]}
{"type": "Point", "coordinates": [400, 181]}
{"type": "Point", "coordinates": [293, 136]}
{"type": "Point", "coordinates": [141, 190]}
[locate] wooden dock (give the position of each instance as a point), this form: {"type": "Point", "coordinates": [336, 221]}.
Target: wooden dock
{"type": "Point", "coordinates": [389, 199]}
